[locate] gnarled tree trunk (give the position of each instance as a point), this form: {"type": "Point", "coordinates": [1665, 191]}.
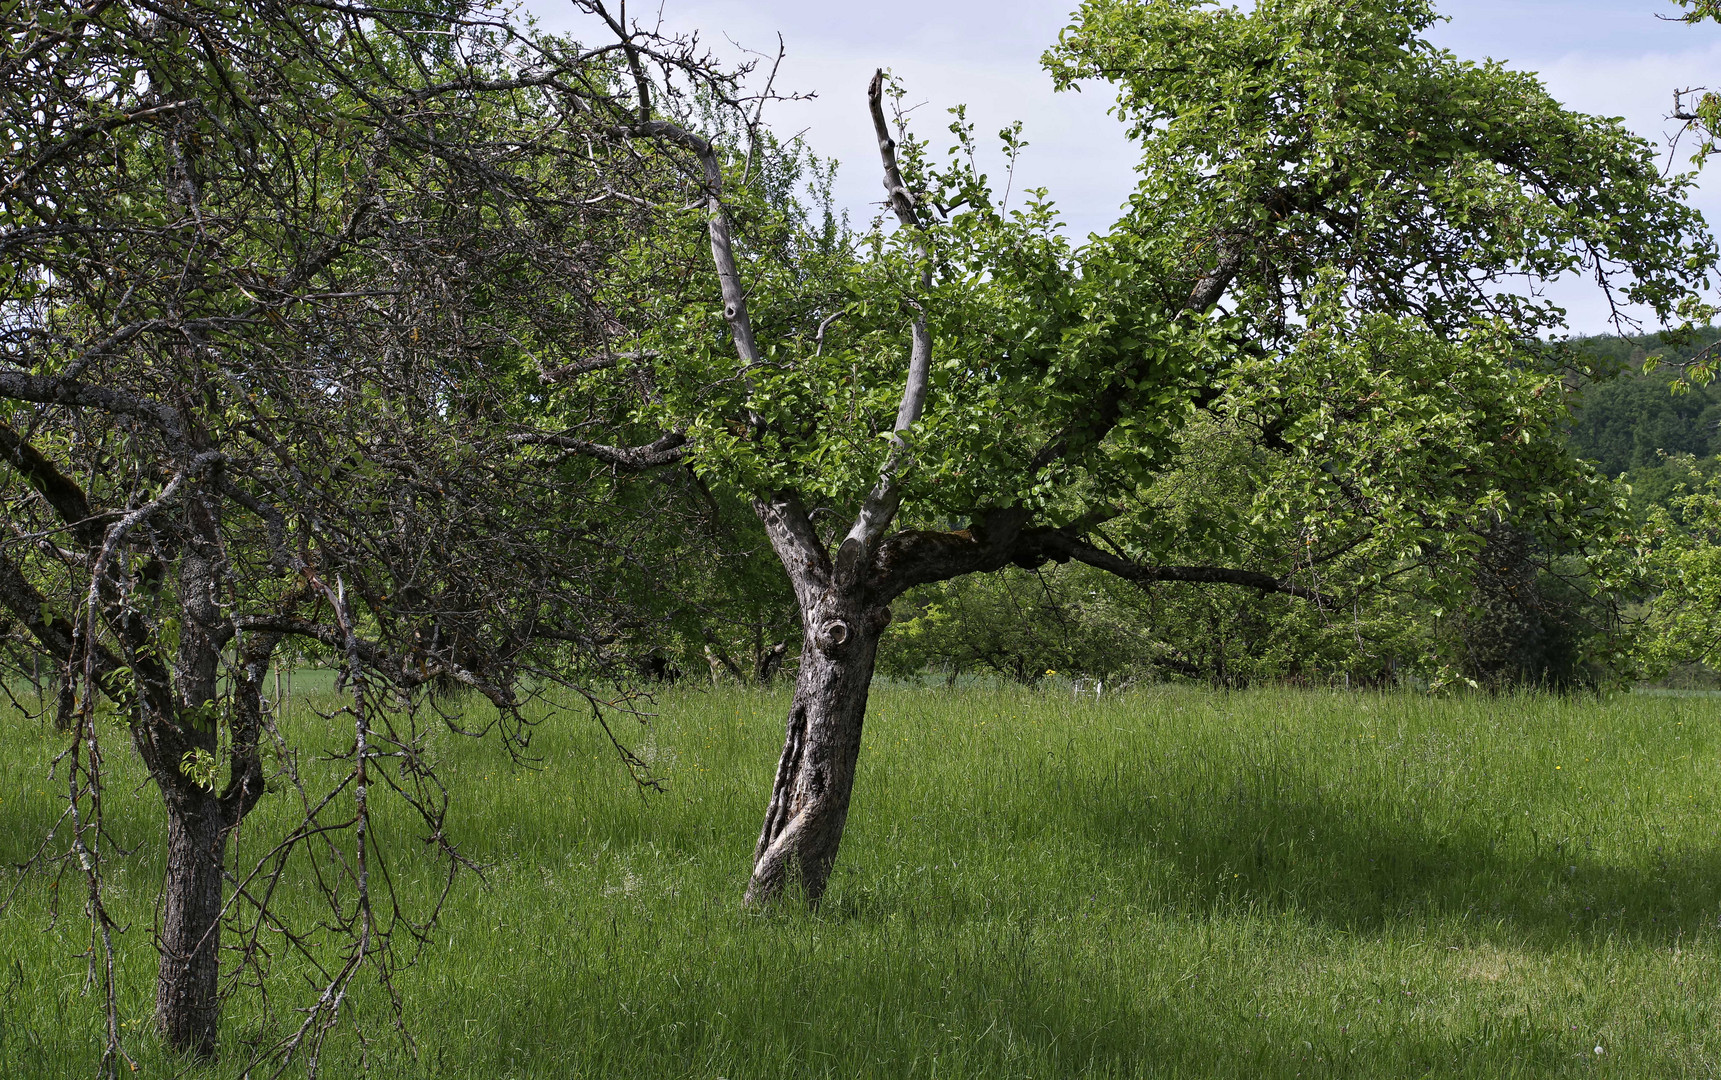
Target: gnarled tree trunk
{"type": "Point", "coordinates": [815, 775]}
{"type": "Point", "coordinates": [843, 599]}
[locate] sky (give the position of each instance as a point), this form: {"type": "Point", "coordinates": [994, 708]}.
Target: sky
{"type": "Point", "coordinates": [1605, 57]}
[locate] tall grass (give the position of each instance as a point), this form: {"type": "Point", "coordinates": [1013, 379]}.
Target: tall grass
{"type": "Point", "coordinates": [1171, 883]}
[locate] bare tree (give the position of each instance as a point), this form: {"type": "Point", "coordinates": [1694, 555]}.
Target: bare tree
{"type": "Point", "coordinates": [272, 283]}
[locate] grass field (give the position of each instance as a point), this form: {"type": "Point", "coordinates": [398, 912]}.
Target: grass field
{"type": "Point", "coordinates": [1171, 883]}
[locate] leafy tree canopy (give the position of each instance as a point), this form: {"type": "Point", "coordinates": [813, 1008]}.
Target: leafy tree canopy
{"type": "Point", "coordinates": [1331, 254]}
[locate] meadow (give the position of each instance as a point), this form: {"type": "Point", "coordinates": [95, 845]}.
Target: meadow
{"type": "Point", "coordinates": [1172, 882]}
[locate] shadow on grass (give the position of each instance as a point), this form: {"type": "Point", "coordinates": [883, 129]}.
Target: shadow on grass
{"type": "Point", "coordinates": [1302, 849]}
{"type": "Point", "coordinates": [932, 1008]}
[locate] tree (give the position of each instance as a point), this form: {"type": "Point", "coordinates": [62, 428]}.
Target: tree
{"type": "Point", "coordinates": [273, 285]}
{"type": "Point", "coordinates": [1234, 492]}
{"type": "Point", "coordinates": [1682, 547]}
{"type": "Point", "coordinates": [1321, 191]}
{"type": "Point", "coordinates": [1699, 107]}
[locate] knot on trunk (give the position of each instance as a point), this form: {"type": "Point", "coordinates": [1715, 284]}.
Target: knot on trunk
{"type": "Point", "coordinates": [832, 635]}
{"type": "Point", "coordinates": [881, 619]}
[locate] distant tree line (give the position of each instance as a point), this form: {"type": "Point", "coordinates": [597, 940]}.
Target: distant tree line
{"type": "Point", "coordinates": [1629, 419]}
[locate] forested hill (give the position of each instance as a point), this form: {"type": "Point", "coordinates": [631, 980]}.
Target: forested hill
{"type": "Point", "coordinates": [1634, 423]}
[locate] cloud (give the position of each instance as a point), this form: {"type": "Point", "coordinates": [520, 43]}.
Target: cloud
{"type": "Point", "coordinates": [1638, 89]}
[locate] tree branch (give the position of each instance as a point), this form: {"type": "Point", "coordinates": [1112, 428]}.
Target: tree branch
{"type": "Point", "coordinates": [52, 390]}
{"type": "Point", "coordinates": [53, 632]}
{"type": "Point", "coordinates": [1109, 405]}
{"type": "Point", "coordinates": [602, 362]}
{"type": "Point", "coordinates": [71, 143]}
{"type": "Point", "coordinates": [1060, 546]}
{"type": "Point", "coordinates": [998, 539]}
{"type": "Point", "coordinates": [717, 224]}
{"type": "Point", "coordinates": [373, 656]}
{"type": "Point", "coordinates": [882, 502]}
{"type": "Point", "coordinates": [797, 544]}
{"type": "Point", "coordinates": [58, 489]}
{"type": "Point", "coordinates": [666, 450]}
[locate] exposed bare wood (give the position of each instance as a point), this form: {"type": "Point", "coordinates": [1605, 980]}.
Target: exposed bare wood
{"type": "Point", "coordinates": [879, 509]}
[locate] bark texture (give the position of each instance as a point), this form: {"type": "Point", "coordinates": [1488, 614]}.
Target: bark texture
{"type": "Point", "coordinates": [187, 1002]}
{"type": "Point", "coordinates": [815, 775]}
{"type": "Point", "coordinates": [187, 993]}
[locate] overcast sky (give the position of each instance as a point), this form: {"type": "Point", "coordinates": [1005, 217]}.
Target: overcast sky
{"type": "Point", "coordinates": [1607, 57]}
